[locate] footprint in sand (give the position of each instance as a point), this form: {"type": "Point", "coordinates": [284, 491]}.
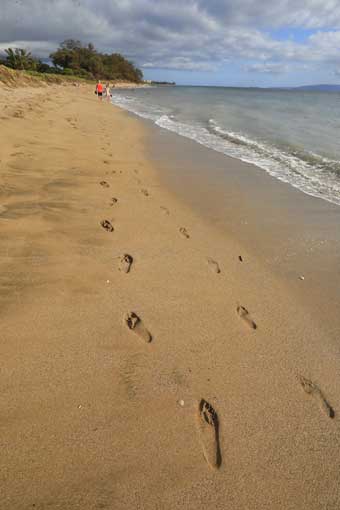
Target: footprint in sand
{"type": "Point", "coordinates": [125, 263]}
{"type": "Point", "coordinates": [113, 201]}
{"type": "Point", "coordinates": [135, 324]}
{"type": "Point", "coordinates": [106, 162]}
{"type": "Point", "coordinates": [145, 192]}
{"type": "Point", "coordinates": [19, 114]}
{"type": "Point", "coordinates": [107, 225]}
{"type": "Point", "coordinates": [165, 209]}
{"type": "Point", "coordinates": [184, 232]}
{"type": "Point", "coordinates": [313, 390]}
{"type": "Point", "coordinates": [240, 258]}
{"type": "Point", "coordinates": [104, 184]}
{"type": "Point", "coordinates": [213, 265]}
{"type": "Point", "coordinates": [15, 154]}
{"type": "Point", "coordinates": [207, 422]}
{"type": "Point", "coordinates": [244, 314]}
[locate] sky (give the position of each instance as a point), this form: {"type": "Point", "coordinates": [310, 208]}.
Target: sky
{"type": "Point", "coordinates": [198, 42]}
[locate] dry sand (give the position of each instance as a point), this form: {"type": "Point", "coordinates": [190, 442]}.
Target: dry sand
{"type": "Point", "coordinates": [93, 415]}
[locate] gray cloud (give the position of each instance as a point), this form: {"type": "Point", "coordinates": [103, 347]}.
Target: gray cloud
{"type": "Point", "coordinates": [181, 34]}
{"type": "Point", "coordinates": [268, 67]}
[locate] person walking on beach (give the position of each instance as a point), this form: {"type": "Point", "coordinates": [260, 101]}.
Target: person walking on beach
{"type": "Point", "coordinates": [108, 94]}
{"type": "Point", "coordinates": [99, 90]}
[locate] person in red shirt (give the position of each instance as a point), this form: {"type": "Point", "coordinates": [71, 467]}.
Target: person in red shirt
{"type": "Point", "coordinates": [99, 90]}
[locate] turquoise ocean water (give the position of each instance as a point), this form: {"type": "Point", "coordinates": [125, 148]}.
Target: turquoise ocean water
{"type": "Point", "coordinates": [292, 135]}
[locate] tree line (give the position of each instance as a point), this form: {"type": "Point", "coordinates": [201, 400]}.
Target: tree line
{"type": "Point", "coordinates": [74, 58]}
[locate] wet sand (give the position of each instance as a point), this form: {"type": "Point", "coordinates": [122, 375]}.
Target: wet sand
{"type": "Point", "coordinates": [177, 377]}
{"type": "Point", "coordinates": [293, 235]}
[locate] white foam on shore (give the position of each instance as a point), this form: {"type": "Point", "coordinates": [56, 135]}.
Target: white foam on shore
{"type": "Point", "coordinates": [310, 173]}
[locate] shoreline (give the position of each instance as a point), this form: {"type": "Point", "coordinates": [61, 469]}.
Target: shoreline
{"type": "Point", "coordinates": [92, 415]}
{"type": "Point", "coordinates": [295, 236]}
{"type": "Point", "coordinates": [313, 173]}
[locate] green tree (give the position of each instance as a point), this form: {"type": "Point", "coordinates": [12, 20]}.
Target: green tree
{"type": "Point", "coordinates": [20, 58]}
{"type": "Point", "coordinates": [71, 44]}
{"type": "Point", "coordinates": [63, 58]}
{"type": "Point", "coordinates": [44, 68]}
{"type": "Point", "coordinates": [87, 61]}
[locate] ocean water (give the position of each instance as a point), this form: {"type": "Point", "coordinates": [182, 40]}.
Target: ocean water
{"type": "Point", "coordinates": [292, 135]}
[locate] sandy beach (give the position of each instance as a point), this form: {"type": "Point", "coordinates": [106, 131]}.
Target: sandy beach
{"type": "Point", "coordinates": [150, 359]}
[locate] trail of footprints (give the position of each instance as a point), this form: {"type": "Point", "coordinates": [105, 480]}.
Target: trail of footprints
{"type": "Point", "coordinates": [206, 416]}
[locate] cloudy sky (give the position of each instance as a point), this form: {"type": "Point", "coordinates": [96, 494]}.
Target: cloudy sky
{"type": "Point", "coordinates": [215, 42]}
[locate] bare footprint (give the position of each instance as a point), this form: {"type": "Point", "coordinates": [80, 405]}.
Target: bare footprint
{"type": "Point", "coordinates": [165, 209]}
{"type": "Point", "coordinates": [207, 422]}
{"type": "Point", "coordinates": [145, 192]}
{"type": "Point", "coordinates": [313, 390]}
{"type": "Point", "coordinates": [104, 184]}
{"type": "Point", "coordinates": [136, 325]}
{"type": "Point", "coordinates": [244, 314]}
{"type": "Point", "coordinates": [15, 154]}
{"type": "Point", "coordinates": [19, 114]}
{"type": "Point", "coordinates": [184, 232]}
{"type": "Point", "coordinates": [113, 201]}
{"type": "Point", "coordinates": [107, 225]}
{"type": "Point", "coordinates": [213, 265]}
{"type": "Point", "coordinates": [125, 263]}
